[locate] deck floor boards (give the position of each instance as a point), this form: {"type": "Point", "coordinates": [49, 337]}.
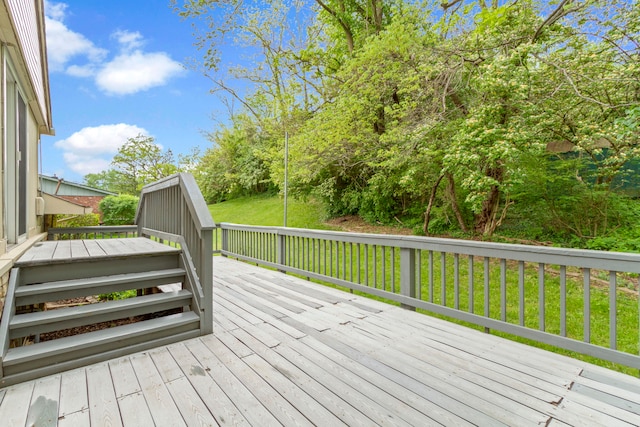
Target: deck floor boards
{"type": "Point", "coordinates": [64, 250]}
{"type": "Point", "coordinates": [289, 352]}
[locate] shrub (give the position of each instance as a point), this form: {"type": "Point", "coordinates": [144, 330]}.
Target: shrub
{"type": "Point", "coordinates": [87, 220]}
{"type": "Point", "coordinates": [119, 210]}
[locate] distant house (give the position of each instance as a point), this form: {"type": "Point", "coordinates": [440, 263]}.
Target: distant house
{"type": "Point", "coordinates": [25, 116]}
{"type": "Point", "coordinates": [66, 197]}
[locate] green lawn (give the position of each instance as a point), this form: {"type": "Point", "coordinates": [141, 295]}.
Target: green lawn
{"type": "Point", "coordinates": [270, 211]}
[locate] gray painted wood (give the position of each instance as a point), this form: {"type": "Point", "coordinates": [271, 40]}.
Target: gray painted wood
{"type": "Point", "coordinates": [47, 251]}
{"type": "Point", "coordinates": [54, 291]}
{"type": "Point", "coordinates": [73, 393]}
{"type": "Point", "coordinates": [124, 378]}
{"type": "Point", "coordinates": [45, 353]}
{"type": "Point", "coordinates": [246, 403]}
{"type": "Point", "coordinates": [75, 419]}
{"type": "Point", "coordinates": [134, 410]}
{"type": "Point", "coordinates": [390, 367]}
{"type": "Point", "coordinates": [103, 406]}
{"type": "Point", "coordinates": [43, 410]}
{"type": "Point", "coordinates": [15, 405]}
{"type": "Point", "coordinates": [161, 405]}
{"type": "Point", "coordinates": [53, 320]}
{"type": "Point", "coordinates": [219, 405]}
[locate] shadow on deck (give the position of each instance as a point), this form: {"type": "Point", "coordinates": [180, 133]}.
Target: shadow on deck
{"type": "Point", "coordinates": [288, 352]}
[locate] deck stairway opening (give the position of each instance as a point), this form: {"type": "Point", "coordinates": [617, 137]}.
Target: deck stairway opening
{"type": "Point", "coordinates": [94, 331]}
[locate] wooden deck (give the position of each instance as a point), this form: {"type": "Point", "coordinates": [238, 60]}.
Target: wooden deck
{"type": "Point", "coordinates": [288, 352]}
{"type": "Point", "coordinates": [83, 250]}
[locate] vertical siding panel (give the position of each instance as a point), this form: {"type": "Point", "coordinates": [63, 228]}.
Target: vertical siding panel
{"type": "Point", "coordinates": [25, 20]}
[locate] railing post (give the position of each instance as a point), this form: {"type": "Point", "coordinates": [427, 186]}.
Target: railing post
{"type": "Point", "coordinates": [408, 274]}
{"type": "Point", "coordinates": [206, 280]}
{"type": "Point", "coordinates": [281, 250]}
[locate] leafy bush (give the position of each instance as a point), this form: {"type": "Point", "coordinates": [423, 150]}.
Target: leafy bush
{"type": "Point", "coordinates": [87, 220]}
{"type": "Point", "coordinates": [118, 295]}
{"type": "Point", "coordinates": [119, 210]}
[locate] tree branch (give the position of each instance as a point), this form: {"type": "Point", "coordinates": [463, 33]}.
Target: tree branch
{"type": "Point", "coordinates": [557, 14]}
{"type": "Point", "coordinates": [452, 3]}
{"type": "Point", "coordinates": [345, 27]}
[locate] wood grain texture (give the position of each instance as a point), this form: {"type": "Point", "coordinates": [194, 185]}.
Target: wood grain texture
{"type": "Point", "coordinates": [289, 352]}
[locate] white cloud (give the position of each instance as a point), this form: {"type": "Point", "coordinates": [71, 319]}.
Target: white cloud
{"type": "Point", "coordinates": [131, 71]}
{"type": "Point", "coordinates": [55, 11]}
{"type": "Point", "coordinates": [136, 71]}
{"type": "Point", "coordinates": [91, 149]}
{"type": "Point", "coordinates": [128, 40]}
{"type": "Point", "coordinates": [64, 44]}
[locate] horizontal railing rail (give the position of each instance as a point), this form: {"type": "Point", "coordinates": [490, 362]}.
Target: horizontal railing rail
{"type": "Point", "coordinates": [173, 209]}
{"type": "Point", "coordinates": [92, 232]}
{"type": "Point", "coordinates": [579, 300]}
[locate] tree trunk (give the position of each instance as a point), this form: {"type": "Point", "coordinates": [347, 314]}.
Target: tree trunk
{"type": "Point", "coordinates": [427, 213]}
{"type": "Point", "coordinates": [451, 191]}
{"type": "Point", "coordinates": [485, 223]}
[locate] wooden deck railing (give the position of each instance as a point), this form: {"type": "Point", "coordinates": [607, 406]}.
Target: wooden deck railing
{"type": "Point", "coordinates": [578, 300]}
{"type": "Point", "coordinates": [174, 210]}
{"type": "Point", "coordinates": [92, 232]}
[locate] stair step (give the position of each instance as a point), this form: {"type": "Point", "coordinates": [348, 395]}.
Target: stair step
{"type": "Point", "coordinates": [50, 353]}
{"type": "Point", "coordinates": [70, 317]}
{"type": "Point", "coordinates": [58, 290]}
{"type": "Point", "coordinates": [69, 269]}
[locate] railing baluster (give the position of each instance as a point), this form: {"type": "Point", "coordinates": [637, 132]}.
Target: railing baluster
{"type": "Point", "coordinates": [487, 290]}
{"type": "Point", "coordinates": [456, 281]}
{"type": "Point", "coordinates": [351, 261]}
{"type": "Point", "coordinates": [613, 311]}
{"type": "Point", "coordinates": [586, 307]}
{"type": "Point", "coordinates": [503, 290]}
{"type": "Point", "coordinates": [430, 276]}
{"type": "Point", "coordinates": [393, 269]}
{"type": "Point", "coordinates": [521, 303]}
{"type": "Point", "coordinates": [366, 269]}
{"type": "Point", "coordinates": [359, 266]}
{"type": "Point", "coordinates": [541, 297]}
{"type": "Point", "coordinates": [375, 267]}
{"type": "Point", "coordinates": [443, 278]}
{"type": "Point", "coordinates": [384, 268]}
{"type": "Point", "coordinates": [563, 300]}
{"type": "Point", "coordinates": [471, 290]}
{"type": "Point", "coordinates": [344, 261]}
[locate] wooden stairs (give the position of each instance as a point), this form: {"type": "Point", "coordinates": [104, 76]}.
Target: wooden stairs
{"type": "Point", "coordinates": [126, 326]}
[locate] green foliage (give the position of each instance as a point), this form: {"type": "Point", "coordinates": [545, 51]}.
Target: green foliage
{"type": "Point", "coordinates": [119, 210]}
{"type": "Point", "coordinates": [118, 295]}
{"type": "Point", "coordinates": [108, 180]}
{"type": "Point", "coordinates": [399, 109]}
{"type": "Point", "coordinates": [236, 165]}
{"type": "Point", "coordinates": [88, 220]}
{"type": "Point", "coordinates": [140, 161]}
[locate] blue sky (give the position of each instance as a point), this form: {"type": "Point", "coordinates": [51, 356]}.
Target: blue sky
{"type": "Point", "coordinates": [116, 70]}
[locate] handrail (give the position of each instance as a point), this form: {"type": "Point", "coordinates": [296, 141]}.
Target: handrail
{"type": "Point", "coordinates": [492, 285]}
{"type": "Point", "coordinates": [174, 206]}
{"type": "Point", "coordinates": [8, 312]}
{"type": "Point", "coordinates": [92, 232]}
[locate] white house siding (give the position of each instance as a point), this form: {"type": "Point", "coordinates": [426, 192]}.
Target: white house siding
{"type": "Point", "coordinates": [24, 15]}
{"type": "Point", "coordinates": [23, 37]}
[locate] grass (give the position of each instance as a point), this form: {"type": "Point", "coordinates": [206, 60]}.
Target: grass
{"type": "Point", "coordinates": [268, 211]}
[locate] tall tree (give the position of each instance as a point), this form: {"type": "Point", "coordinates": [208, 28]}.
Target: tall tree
{"type": "Point", "coordinates": [141, 161]}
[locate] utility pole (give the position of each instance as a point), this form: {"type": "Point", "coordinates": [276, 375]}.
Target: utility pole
{"type": "Point", "coordinates": [286, 174]}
